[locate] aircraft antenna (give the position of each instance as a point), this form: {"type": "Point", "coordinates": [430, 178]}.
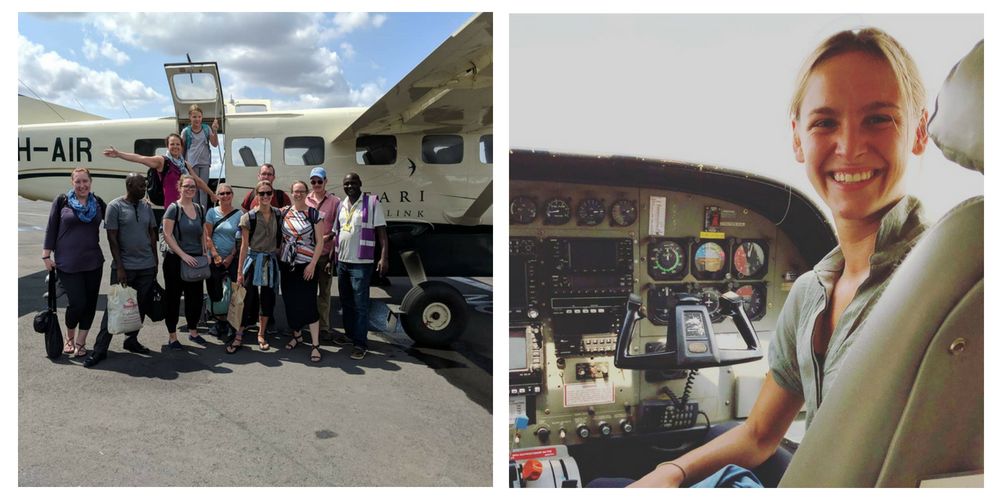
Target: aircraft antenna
{"type": "Point", "coordinates": [40, 99]}
{"type": "Point", "coordinates": [126, 109]}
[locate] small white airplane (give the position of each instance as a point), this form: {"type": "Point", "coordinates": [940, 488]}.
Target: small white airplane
{"type": "Point", "coordinates": [425, 149]}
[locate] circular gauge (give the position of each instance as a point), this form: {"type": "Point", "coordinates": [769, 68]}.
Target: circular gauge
{"type": "Point", "coordinates": [523, 210]}
{"type": "Point", "coordinates": [666, 261]}
{"type": "Point", "coordinates": [753, 297]}
{"type": "Point", "coordinates": [557, 212]}
{"type": "Point", "coordinates": [710, 257]}
{"type": "Point", "coordinates": [590, 212]}
{"type": "Point", "coordinates": [710, 297]}
{"type": "Point", "coordinates": [624, 213]}
{"type": "Point", "coordinates": [748, 259]}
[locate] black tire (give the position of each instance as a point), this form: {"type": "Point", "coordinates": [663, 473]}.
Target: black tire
{"type": "Point", "coordinates": [442, 303]}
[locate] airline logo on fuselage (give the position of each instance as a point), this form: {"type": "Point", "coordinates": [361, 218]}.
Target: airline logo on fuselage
{"type": "Point", "coordinates": [404, 197]}
{"type": "Point", "coordinates": [76, 149]}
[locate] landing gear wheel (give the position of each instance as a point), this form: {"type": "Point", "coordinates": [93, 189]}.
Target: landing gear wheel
{"type": "Point", "coordinates": [434, 314]}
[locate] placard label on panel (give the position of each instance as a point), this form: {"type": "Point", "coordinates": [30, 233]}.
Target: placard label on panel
{"type": "Point", "coordinates": [589, 393]}
{"type": "Point", "coordinates": [518, 408]}
{"type": "Point", "coordinates": [657, 215]}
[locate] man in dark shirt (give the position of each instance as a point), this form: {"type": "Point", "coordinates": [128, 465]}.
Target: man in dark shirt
{"type": "Point", "coordinates": [132, 235]}
{"type": "Point", "coordinates": [280, 199]}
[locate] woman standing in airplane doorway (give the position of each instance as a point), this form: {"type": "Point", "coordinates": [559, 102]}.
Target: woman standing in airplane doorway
{"type": "Point", "coordinates": [857, 113]}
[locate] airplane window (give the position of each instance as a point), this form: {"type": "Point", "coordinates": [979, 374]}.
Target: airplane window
{"type": "Point", "coordinates": [251, 151]}
{"type": "Point", "coordinates": [195, 87]}
{"type": "Point", "coordinates": [150, 147]}
{"type": "Point", "coordinates": [304, 151]}
{"type": "Point", "coordinates": [376, 150]}
{"type": "Point", "coordinates": [486, 149]}
{"type": "Point", "coordinates": [442, 149]}
{"type": "Point", "coordinates": [250, 108]}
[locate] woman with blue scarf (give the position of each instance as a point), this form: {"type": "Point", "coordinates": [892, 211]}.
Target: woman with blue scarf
{"type": "Point", "coordinates": [73, 233]}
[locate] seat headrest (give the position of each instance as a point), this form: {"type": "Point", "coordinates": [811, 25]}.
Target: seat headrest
{"type": "Point", "coordinates": [957, 124]}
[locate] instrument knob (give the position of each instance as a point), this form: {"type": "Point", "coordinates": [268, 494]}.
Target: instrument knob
{"type": "Point", "coordinates": [604, 428]}
{"type": "Point", "coordinates": [626, 426]}
{"type": "Point", "coordinates": [583, 431]}
{"type": "Point", "coordinates": [543, 434]}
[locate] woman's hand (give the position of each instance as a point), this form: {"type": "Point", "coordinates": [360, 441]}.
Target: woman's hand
{"type": "Point", "coordinates": [217, 259]}
{"type": "Point", "coordinates": [239, 278]}
{"type": "Point", "coordinates": [191, 261]}
{"type": "Point", "coordinates": [111, 153]}
{"type": "Point", "coordinates": [228, 260]}
{"type": "Point", "coordinates": [310, 271]}
{"type": "Point", "coordinates": [50, 264]}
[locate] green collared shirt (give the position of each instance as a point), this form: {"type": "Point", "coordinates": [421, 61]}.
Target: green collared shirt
{"type": "Point", "coordinates": [794, 365]}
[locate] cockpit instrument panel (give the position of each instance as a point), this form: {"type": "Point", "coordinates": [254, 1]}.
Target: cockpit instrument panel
{"type": "Point", "coordinates": [665, 234]}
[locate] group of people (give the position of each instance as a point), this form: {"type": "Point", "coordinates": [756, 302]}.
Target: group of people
{"type": "Point", "coordinates": [270, 241]}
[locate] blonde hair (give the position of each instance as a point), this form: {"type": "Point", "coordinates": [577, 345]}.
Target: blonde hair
{"type": "Point", "coordinates": [876, 43]}
{"type": "Point", "coordinates": [262, 184]}
{"type": "Point", "coordinates": [193, 108]}
{"type": "Point", "coordinates": [78, 170]}
{"type": "Point", "coordinates": [222, 185]}
{"type": "Point", "coordinates": [180, 182]}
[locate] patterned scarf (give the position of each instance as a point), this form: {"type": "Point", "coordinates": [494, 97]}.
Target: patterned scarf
{"type": "Point", "coordinates": [85, 213]}
{"type": "Point", "coordinates": [178, 162]}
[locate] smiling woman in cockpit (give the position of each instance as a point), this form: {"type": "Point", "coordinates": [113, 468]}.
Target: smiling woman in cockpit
{"type": "Point", "coordinates": [857, 113]}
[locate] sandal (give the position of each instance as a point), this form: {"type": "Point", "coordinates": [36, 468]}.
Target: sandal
{"type": "Point", "coordinates": [316, 358]}
{"type": "Point", "coordinates": [69, 348]}
{"type": "Point", "coordinates": [234, 346]}
{"type": "Point", "coordinates": [80, 351]}
{"type": "Point", "coordinates": [263, 345]}
{"type": "Point", "coordinates": [298, 341]}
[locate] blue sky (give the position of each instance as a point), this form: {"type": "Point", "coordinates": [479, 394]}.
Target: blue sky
{"type": "Point", "coordinates": [298, 60]}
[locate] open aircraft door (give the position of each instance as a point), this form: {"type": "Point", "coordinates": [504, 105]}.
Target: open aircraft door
{"type": "Point", "coordinates": [196, 83]}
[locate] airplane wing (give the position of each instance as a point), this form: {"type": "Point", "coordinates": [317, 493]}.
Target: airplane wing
{"type": "Point", "coordinates": [31, 111]}
{"type": "Point", "coordinates": [450, 91]}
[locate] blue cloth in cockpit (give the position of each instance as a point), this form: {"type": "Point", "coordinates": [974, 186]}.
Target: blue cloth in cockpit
{"type": "Point", "coordinates": [730, 476]}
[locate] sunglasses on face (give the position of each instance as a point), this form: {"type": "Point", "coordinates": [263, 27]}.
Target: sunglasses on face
{"type": "Point", "coordinates": [265, 193]}
{"type": "Point", "coordinates": [316, 183]}
{"type": "Point", "coordinates": [226, 193]}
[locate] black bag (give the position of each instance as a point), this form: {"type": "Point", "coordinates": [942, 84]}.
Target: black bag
{"type": "Point", "coordinates": [156, 303]}
{"type": "Point", "coordinates": [53, 335]}
{"type": "Point", "coordinates": [154, 183]}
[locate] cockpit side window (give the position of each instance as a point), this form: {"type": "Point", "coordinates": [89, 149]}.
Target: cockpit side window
{"type": "Point", "coordinates": [486, 149]}
{"type": "Point", "coordinates": [251, 151]}
{"type": "Point", "coordinates": [250, 108]}
{"type": "Point", "coordinates": [376, 150]}
{"type": "Point", "coordinates": [441, 149]}
{"type": "Point", "coordinates": [304, 151]}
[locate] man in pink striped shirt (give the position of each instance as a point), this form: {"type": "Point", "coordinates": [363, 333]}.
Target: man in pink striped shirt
{"type": "Point", "coordinates": [327, 204]}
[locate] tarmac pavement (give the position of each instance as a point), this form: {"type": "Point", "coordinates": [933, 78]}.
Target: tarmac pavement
{"type": "Point", "coordinates": [402, 416]}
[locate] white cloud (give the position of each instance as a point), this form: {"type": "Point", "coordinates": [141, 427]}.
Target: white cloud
{"type": "Point", "coordinates": [348, 50]}
{"type": "Point", "coordinates": [62, 81]}
{"type": "Point", "coordinates": [91, 50]}
{"type": "Point", "coordinates": [284, 53]}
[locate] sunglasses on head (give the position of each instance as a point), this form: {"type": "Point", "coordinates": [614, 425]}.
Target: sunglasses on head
{"type": "Point", "coordinates": [317, 182]}
{"type": "Point", "coordinates": [265, 193]}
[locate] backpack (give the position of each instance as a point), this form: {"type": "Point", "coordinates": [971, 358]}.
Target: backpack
{"type": "Point", "coordinates": [154, 183]}
{"type": "Point", "coordinates": [189, 135]}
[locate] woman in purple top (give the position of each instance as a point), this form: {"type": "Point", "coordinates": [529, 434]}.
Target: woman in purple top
{"type": "Point", "coordinates": [73, 233]}
{"type": "Point", "coordinates": [171, 167]}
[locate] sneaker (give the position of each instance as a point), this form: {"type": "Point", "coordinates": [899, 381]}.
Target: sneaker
{"type": "Point", "coordinates": [271, 330]}
{"type": "Point", "coordinates": [342, 340]}
{"type": "Point", "coordinates": [133, 345]}
{"type": "Point", "coordinates": [197, 340]}
{"type": "Point", "coordinates": [358, 353]}
{"type": "Point", "coordinates": [325, 335]}
{"type": "Point", "coordinates": [176, 345]}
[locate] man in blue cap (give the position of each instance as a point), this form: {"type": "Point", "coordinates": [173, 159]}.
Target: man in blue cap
{"type": "Point", "coordinates": [328, 205]}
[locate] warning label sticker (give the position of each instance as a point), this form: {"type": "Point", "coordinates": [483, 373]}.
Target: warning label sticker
{"type": "Point", "coordinates": [589, 393]}
{"type": "Point", "coordinates": [657, 215]}
{"type": "Point", "coordinates": [536, 453]}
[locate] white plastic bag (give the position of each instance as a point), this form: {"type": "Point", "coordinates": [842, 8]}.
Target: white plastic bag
{"type": "Point", "coordinates": [123, 310]}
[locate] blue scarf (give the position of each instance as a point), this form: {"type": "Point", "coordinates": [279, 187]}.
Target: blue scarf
{"type": "Point", "coordinates": [84, 213]}
{"type": "Point", "coordinates": [178, 162]}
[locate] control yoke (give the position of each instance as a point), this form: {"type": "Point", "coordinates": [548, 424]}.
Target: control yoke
{"type": "Point", "coordinates": [690, 335]}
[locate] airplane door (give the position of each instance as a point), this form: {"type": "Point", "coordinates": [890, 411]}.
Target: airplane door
{"type": "Point", "coordinates": [196, 83]}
